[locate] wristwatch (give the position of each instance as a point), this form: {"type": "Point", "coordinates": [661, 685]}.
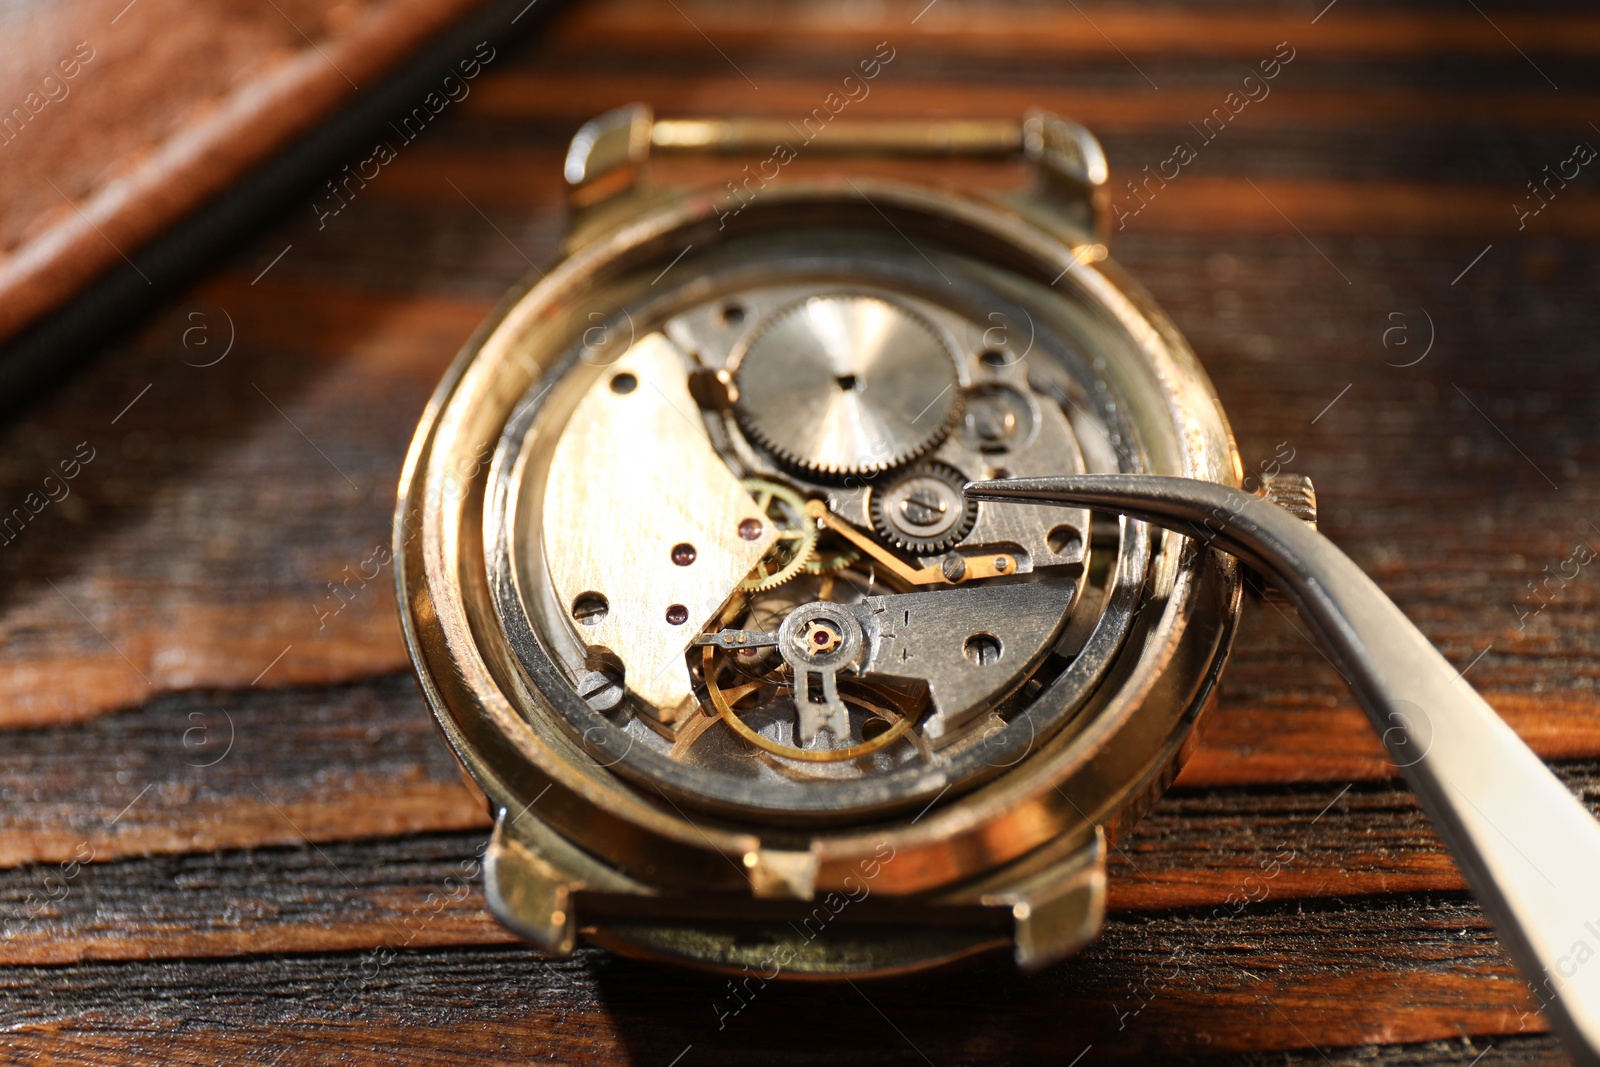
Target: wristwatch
{"type": "Point", "coordinates": [697, 599]}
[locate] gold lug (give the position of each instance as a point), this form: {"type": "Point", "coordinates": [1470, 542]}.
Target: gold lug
{"type": "Point", "coordinates": [1060, 909]}
{"type": "Point", "coordinates": [527, 893]}
{"type": "Point", "coordinates": [780, 875]}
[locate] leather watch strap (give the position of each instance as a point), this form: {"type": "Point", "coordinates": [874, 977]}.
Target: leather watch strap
{"type": "Point", "coordinates": [117, 118]}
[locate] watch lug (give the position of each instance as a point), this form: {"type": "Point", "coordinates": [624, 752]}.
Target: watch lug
{"type": "Point", "coordinates": [1070, 172]}
{"type": "Point", "coordinates": [528, 893]}
{"type": "Point", "coordinates": [776, 874]}
{"type": "Point", "coordinates": [609, 145]}
{"type": "Point", "coordinates": [606, 173]}
{"type": "Point", "coordinates": [1060, 909]}
{"type": "Point", "coordinates": [533, 878]}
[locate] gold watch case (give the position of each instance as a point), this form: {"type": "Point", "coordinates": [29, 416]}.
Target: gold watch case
{"type": "Point", "coordinates": [993, 843]}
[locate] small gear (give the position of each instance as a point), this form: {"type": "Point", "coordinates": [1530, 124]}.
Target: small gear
{"type": "Point", "coordinates": [847, 384]}
{"type": "Point", "coordinates": [923, 511]}
{"type": "Point", "coordinates": [831, 561]}
{"type": "Point", "coordinates": [797, 534]}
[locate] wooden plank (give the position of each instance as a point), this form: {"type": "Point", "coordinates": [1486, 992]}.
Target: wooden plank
{"type": "Point", "coordinates": [1191, 203]}
{"type": "Point", "coordinates": [539, 94]}
{"type": "Point", "coordinates": [237, 512]}
{"type": "Point", "coordinates": [212, 467]}
{"type": "Point", "coordinates": [1221, 852]}
{"type": "Point", "coordinates": [1154, 985]}
{"type": "Point", "coordinates": [321, 792]}
{"type": "Point", "coordinates": [196, 771]}
{"type": "Point", "coordinates": [1224, 206]}
{"type": "Point", "coordinates": [412, 892]}
{"type": "Point", "coordinates": [1099, 30]}
{"type": "Point", "coordinates": [1304, 739]}
{"type": "Point", "coordinates": [1225, 849]}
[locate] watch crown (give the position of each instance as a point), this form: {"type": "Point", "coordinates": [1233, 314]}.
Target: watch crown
{"type": "Point", "coordinates": [1293, 493]}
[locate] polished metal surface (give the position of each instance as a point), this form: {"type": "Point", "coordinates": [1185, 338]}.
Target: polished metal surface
{"type": "Point", "coordinates": [966, 646]}
{"type": "Point", "coordinates": [1530, 850]}
{"type": "Point", "coordinates": [673, 545]}
{"type": "Point", "coordinates": [847, 384]}
{"type": "Point", "coordinates": [916, 137]}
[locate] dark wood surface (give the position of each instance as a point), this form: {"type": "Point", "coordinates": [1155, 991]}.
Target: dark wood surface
{"type": "Point", "coordinates": [226, 821]}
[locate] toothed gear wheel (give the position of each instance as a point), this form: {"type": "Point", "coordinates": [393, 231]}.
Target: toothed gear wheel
{"type": "Point", "coordinates": [847, 384]}
{"type": "Point", "coordinates": [797, 534]}
{"type": "Point", "coordinates": [832, 561]}
{"type": "Point", "coordinates": [923, 511]}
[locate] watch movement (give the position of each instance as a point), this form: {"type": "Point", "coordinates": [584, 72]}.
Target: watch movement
{"type": "Point", "coordinates": [697, 598]}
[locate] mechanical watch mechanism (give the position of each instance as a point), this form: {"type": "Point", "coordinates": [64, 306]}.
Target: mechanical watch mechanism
{"type": "Point", "coordinates": [698, 600]}
{"type": "Point", "coordinates": [784, 587]}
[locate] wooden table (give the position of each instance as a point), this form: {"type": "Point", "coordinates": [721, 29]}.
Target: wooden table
{"type": "Point", "coordinates": [226, 821]}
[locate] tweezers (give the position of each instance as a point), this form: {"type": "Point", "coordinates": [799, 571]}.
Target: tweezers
{"type": "Point", "coordinates": [1529, 849]}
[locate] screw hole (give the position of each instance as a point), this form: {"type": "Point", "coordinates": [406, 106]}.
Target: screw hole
{"type": "Point", "coordinates": [590, 608]}
{"type": "Point", "coordinates": [624, 383]}
{"type": "Point", "coordinates": [733, 314]}
{"type": "Point", "coordinates": [1064, 540]}
{"type": "Point", "coordinates": [873, 729]}
{"type": "Point", "coordinates": [982, 649]}
{"type": "Point", "coordinates": [846, 382]}
{"type": "Point", "coordinates": [994, 359]}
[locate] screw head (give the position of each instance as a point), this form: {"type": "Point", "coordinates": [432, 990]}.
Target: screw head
{"type": "Point", "coordinates": [954, 568]}
{"type": "Point", "coordinates": [982, 649]}
{"type": "Point", "coordinates": [602, 689]}
{"type": "Point", "coordinates": [590, 609]}
{"type": "Point", "coordinates": [923, 507]}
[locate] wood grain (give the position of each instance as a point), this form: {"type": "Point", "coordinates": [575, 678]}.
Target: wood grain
{"type": "Point", "coordinates": [1275, 977]}
{"type": "Point", "coordinates": [268, 804]}
{"type": "Point", "coordinates": [1002, 32]}
{"type": "Point", "coordinates": [199, 771]}
{"type": "Point", "coordinates": [192, 773]}
{"type": "Point", "coordinates": [537, 94]}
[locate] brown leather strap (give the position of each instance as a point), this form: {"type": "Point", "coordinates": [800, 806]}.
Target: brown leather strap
{"type": "Point", "coordinates": [118, 118]}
